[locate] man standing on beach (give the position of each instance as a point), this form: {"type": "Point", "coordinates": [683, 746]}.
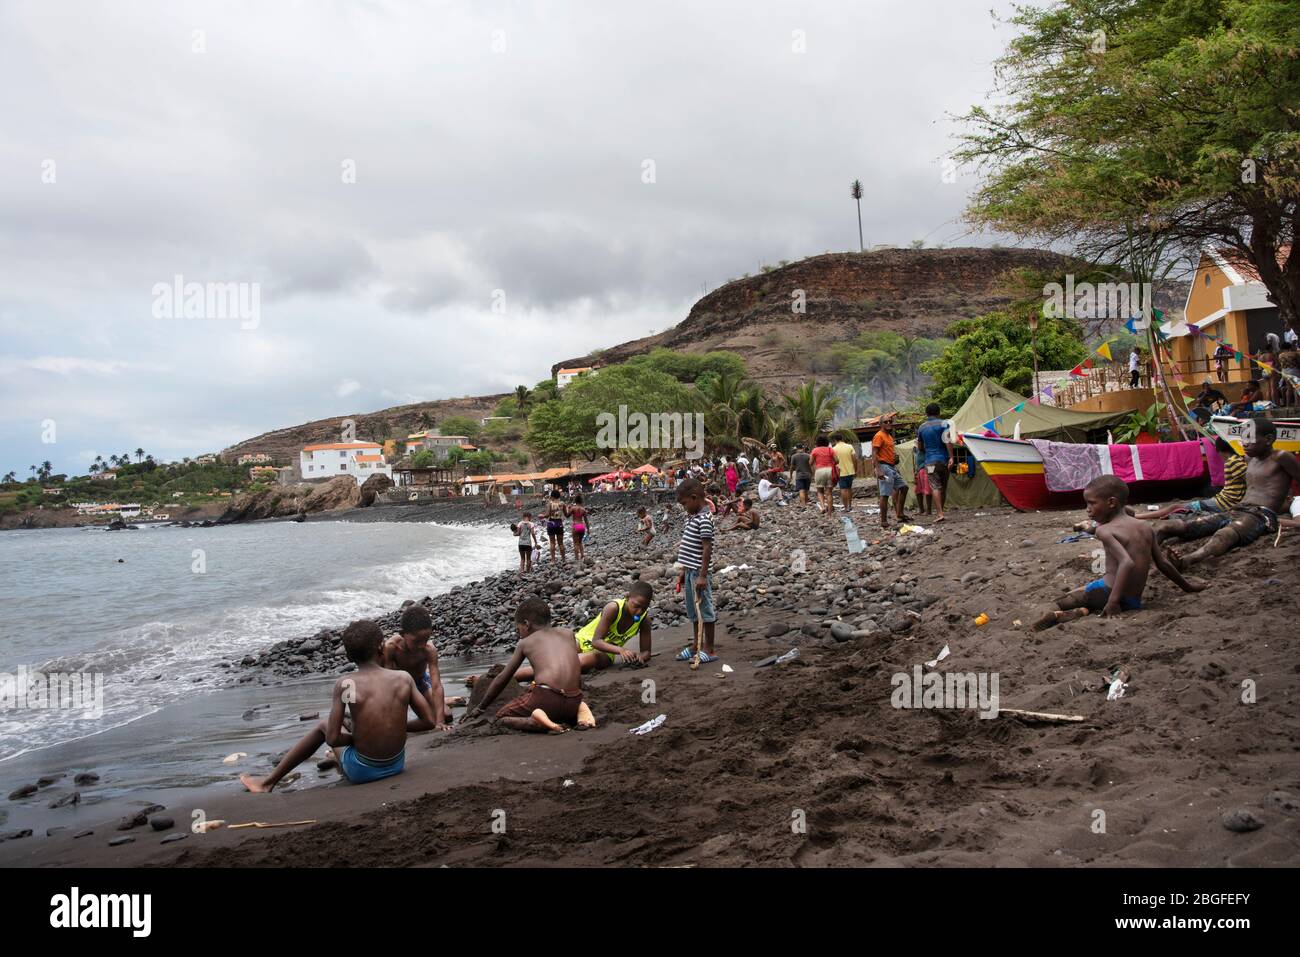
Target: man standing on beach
{"type": "Point", "coordinates": [936, 450]}
{"type": "Point", "coordinates": [891, 482]}
{"type": "Point", "coordinates": [846, 457]}
{"type": "Point", "coordinates": [801, 463]}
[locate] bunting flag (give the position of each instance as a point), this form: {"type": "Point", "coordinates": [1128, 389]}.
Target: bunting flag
{"type": "Point", "coordinates": [1131, 326]}
{"type": "Point", "coordinates": [1088, 363]}
{"type": "Point", "coordinates": [1104, 351]}
{"type": "Point", "coordinates": [1034, 401]}
{"type": "Point", "coordinates": [1048, 390]}
{"type": "Point", "coordinates": [1077, 371]}
{"type": "Point", "coordinates": [1020, 407]}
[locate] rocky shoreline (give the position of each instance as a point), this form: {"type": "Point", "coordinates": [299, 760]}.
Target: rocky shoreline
{"type": "Point", "coordinates": [835, 598]}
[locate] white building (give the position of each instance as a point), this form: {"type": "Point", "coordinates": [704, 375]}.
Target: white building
{"type": "Point", "coordinates": [357, 459]}
{"type": "Point", "coordinates": [564, 376]}
{"type": "Point", "coordinates": [254, 458]}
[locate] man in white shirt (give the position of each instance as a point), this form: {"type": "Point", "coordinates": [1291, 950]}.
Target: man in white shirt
{"type": "Point", "coordinates": [769, 491]}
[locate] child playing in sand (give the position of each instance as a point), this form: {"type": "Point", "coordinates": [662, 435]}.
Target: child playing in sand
{"type": "Point", "coordinates": [1131, 548]}
{"type": "Point", "coordinates": [603, 640]}
{"type": "Point", "coordinates": [412, 651]}
{"type": "Point", "coordinates": [645, 526]}
{"type": "Point", "coordinates": [527, 533]}
{"type": "Point", "coordinates": [554, 698]}
{"type": "Point", "coordinates": [693, 558]}
{"type": "Point", "coordinates": [377, 698]}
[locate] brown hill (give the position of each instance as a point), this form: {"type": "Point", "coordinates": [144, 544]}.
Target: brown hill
{"type": "Point", "coordinates": [284, 444]}
{"type": "Point", "coordinates": [917, 292]}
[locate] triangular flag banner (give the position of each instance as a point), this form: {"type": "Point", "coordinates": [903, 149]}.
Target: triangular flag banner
{"type": "Point", "coordinates": [1034, 401]}
{"type": "Point", "coordinates": [1088, 363]}
{"type": "Point", "coordinates": [1236, 356]}
{"type": "Point", "coordinates": [1020, 407]}
{"type": "Point", "coordinates": [1131, 326]}
{"type": "Point", "coordinates": [990, 425]}
{"type": "Point", "coordinates": [1049, 391]}
{"type": "Point", "coordinates": [1104, 352]}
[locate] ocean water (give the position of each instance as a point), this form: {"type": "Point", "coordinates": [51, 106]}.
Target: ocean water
{"type": "Point", "coordinates": [182, 599]}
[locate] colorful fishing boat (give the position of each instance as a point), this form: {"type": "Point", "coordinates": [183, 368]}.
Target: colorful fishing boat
{"type": "Point", "coordinates": [1229, 429]}
{"type": "Point", "coordinates": [1017, 468]}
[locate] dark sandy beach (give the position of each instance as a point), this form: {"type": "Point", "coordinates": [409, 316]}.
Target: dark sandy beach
{"type": "Point", "coordinates": [746, 753]}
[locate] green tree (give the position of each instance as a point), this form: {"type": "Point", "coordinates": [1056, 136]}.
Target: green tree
{"type": "Point", "coordinates": [999, 345]}
{"type": "Point", "coordinates": [1136, 129]}
{"type": "Point", "coordinates": [423, 459]}
{"type": "Point", "coordinates": [567, 427]}
{"type": "Point", "coordinates": [810, 409]}
{"type": "Point", "coordinates": [460, 425]}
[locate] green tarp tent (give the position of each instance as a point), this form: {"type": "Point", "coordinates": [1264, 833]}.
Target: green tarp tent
{"type": "Point", "coordinates": [976, 490]}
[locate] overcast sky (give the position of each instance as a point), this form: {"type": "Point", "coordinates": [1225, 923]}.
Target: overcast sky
{"type": "Point", "coordinates": [498, 150]}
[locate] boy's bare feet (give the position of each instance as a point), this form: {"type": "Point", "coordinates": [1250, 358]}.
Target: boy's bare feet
{"type": "Point", "coordinates": [585, 718]}
{"type": "Point", "coordinates": [253, 783]}
{"type": "Point", "coordinates": [542, 718]}
{"type": "Point", "coordinates": [1053, 618]}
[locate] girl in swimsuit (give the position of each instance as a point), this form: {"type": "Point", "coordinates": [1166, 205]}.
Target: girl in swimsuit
{"type": "Point", "coordinates": [556, 510]}
{"type": "Point", "coordinates": [579, 516]}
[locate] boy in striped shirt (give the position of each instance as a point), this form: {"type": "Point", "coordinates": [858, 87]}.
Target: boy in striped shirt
{"type": "Point", "coordinates": [694, 557]}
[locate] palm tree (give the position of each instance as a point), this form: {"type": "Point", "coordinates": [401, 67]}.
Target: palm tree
{"type": "Point", "coordinates": [855, 190]}
{"type": "Point", "coordinates": [47, 468]}
{"type": "Point", "coordinates": [810, 408]}
{"type": "Point", "coordinates": [523, 396]}
{"type": "Point", "coordinates": [139, 455]}
{"type": "Point", "coordinates": [724, 396]}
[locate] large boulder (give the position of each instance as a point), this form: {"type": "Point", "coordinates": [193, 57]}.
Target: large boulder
{"type": "Point", "coordinates": [282, 502]}
{"type": "Point", "coordinates": [373, 488]}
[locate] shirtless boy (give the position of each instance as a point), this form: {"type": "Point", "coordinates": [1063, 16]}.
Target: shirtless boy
{"type": "Point", "coordinates": [554, 698]}
{"type": "Point", "coordinates": [412, 651]}
{"type": "Point", "coordinates": [1131, 549]}
{"type": "Point", "coordinates": [377, 699]}
{"type": "Point", "coordinates": [603, 641]}
{"type": "Point", "coordinates": [1269, 474]}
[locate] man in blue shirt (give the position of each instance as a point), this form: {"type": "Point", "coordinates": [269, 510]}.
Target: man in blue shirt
{"type": "Point", "coordinates": [932, 438]}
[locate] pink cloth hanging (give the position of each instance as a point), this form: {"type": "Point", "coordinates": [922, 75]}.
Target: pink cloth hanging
{"type": "Point", "coordinates": [1121, 462]}
{"type": "Point", "coordinates": [1215, 462]}
{"type": "Point", "coordinates": [1170, 461]}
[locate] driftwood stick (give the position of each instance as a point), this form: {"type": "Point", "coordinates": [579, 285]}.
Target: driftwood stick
{"type": "Point", "coordinates": [260, 824]}
{"type": "Point", "coordinates": [1040, 715]}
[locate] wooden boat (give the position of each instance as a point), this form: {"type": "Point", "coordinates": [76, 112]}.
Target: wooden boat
{"type": "Point", "coordinates": [1229, 428]}
{"type": "Point", "coordinates": [1016, 468]}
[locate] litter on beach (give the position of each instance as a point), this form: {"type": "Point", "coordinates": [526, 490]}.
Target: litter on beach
{"type": "Point", "coordinates": [728, 669]}
{"type": "Point", "coordinates": [232, 758]}
{"type": "Point", "coordinates": [260, 824]}
{"type": "Point", "coordinates": [203, 827]}
{"type": "Point", "coordinates": [649, 725]}
{"type": "Point", "coordinates": [1039, 715]}
{"type": "Point", "coordinates": [942, 655]}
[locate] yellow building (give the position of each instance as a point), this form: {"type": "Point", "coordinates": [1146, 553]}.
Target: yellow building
{"type": "Point", "coordinates": [1228, 301]}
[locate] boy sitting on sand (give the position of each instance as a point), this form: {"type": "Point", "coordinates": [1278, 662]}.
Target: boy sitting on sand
{"type": "Point", "coordinates": [412, 651]}
{"type": "Point", "coordinates": [746, 516]}
{"type": "Point", "coordinates": [377, 699]}
{"type": "Point", "coordinates": [1131, 548]}
{"type": "Point", "coordinates": [554, 698]}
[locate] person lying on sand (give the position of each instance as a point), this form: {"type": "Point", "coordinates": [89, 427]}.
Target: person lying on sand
{"type": "Point", "coordinates": [412, 651]}
{"type": "Point", "coordinates": [1269, 474]}
{"type": "Point", "coordinates": [554, 698]}
{"type": "Point", "coordinates": [1131, 548]}
{"type": "Point", "coordinates": [377, 699]}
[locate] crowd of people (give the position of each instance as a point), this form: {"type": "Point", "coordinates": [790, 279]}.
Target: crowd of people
{"type": "Point", "coordinates": [368, 719]}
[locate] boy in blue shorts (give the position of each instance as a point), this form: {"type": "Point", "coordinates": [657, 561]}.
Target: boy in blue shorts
{"type": "Point", "coordinates": [1131, 549]}
{"type": "Point", "coordinates": [377, 698]}
{"type": "Point", "coordinates": [693, 559]}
